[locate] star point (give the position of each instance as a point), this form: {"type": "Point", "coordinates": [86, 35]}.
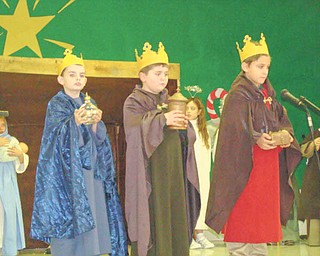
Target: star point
{"type": "Point", "coordinates": [22, 29]}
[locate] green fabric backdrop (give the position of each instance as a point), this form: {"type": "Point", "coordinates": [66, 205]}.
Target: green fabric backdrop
{"type": "Point", "coordinates": [199, 34]}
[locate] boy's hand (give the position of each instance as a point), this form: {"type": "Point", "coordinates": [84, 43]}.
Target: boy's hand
{"type": "Point", "coordinates": [79, 116]}
{"type": "Point", "coordinates": [317, 143]}
{"type": "Point", "coordinates": [13, 151]}
{"type": "Point", "coordinates": [4, 141]}
{"type": "Point", "coordinates": [176, 118]}
{"type": "Point", "coordinates": [265, 142]}
{"type": "Point", "coordinates": [97, 116]}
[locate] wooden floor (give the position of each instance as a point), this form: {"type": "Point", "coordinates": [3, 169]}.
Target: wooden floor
{"type": "Point", "coordinates": [299, 249]}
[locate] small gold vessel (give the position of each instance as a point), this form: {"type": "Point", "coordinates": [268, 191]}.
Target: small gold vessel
{"type": "Point", "coordinates": [90, 109]}
{"type": "Point", "coordinates": [178, 102]}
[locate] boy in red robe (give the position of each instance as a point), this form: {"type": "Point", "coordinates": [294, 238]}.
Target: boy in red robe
{"type": "Point", "coordinates": [251, 193]}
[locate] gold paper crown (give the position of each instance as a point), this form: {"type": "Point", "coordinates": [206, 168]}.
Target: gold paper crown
{"type": "Point", "coordinates": [68, 60]}
{"type": "Point", "coordinates": [251, 48]}
{"type": "Point", "coordinates": [149, 57]}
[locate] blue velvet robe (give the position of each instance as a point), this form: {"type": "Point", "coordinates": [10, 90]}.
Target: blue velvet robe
{"type": "Point", "coordinates": [61, 208]}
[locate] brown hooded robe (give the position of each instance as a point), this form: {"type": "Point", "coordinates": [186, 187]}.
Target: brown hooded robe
{"type": "Point", "coordinates": [245, 117]}
{"type": "Point", "coordinates": [148, 142]}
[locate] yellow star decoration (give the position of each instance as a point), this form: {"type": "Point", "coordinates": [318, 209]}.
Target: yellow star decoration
{"type": "Point", "coordinates": [22, 29]}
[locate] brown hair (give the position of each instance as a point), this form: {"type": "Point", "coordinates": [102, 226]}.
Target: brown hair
{"type": "Point", "coordinates": [62, 72]}
{"type": "Point", "coordinates": [202, 124]}
{"type": "Point", "coordinates": [146, 69]}
{"type": "Point", "coordinates": [253, 58]}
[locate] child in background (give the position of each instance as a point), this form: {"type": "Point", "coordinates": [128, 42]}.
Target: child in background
{"type": "Point", "coordinates": [76, 204]}
{"type": "Point", "coordinates": [310, 197]}
{"type": "Point", "coordinates": [196, 115]}
{"type": "Point", "coordinates": [251, 174]}
{"type": "Point", "coordinates": [156, 204]}
{"type": "Point", "coordinates": [13, 160]}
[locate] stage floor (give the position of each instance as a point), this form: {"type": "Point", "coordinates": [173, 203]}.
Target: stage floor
{"type": "Point", "coordinates": [299, 249]}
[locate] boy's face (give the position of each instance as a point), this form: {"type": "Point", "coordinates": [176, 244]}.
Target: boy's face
{"type": "Point", "coordinates": [2, 125]}
{"type": "Point", "coordinates": [257, 71]}
{"type": "Point", "coordinates": [73, 80]}
{"type": "Point", "coordinates": [155, 80]}
{"type": "Point", "coordinates": [192, 111]}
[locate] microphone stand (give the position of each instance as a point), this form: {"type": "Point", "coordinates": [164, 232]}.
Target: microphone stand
{"type": "Point", "coordinates": [312, 136]}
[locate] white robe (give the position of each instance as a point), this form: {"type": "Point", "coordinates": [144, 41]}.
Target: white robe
{"type": "Point", "coordinates": [203, 159]}
{"type": "Point", "coordinates": [11, 222]}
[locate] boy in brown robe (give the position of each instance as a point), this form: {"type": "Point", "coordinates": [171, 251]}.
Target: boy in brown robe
{"type": "Point", "coordinates": [156, 208]}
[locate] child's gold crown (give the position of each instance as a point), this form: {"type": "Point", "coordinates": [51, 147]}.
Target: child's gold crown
{"type": "Point", "coordinates": [68, 60]}
{"type": "Point", "coordinates": [251, 48]}
{"type": "Point", "coordinates": [149, 57]}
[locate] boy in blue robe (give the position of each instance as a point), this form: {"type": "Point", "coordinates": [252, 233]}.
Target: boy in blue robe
{"type": "Point", "coordinates": [76, 205]}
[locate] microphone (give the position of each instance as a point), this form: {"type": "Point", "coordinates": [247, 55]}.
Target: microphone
{"type": "Point", "coordinates": [310, 104]}
{"type": "Point", "coordinates": [287, 96]}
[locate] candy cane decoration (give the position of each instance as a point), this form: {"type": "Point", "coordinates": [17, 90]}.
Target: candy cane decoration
{"type": "Point", "coordinates": [218, 93]}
